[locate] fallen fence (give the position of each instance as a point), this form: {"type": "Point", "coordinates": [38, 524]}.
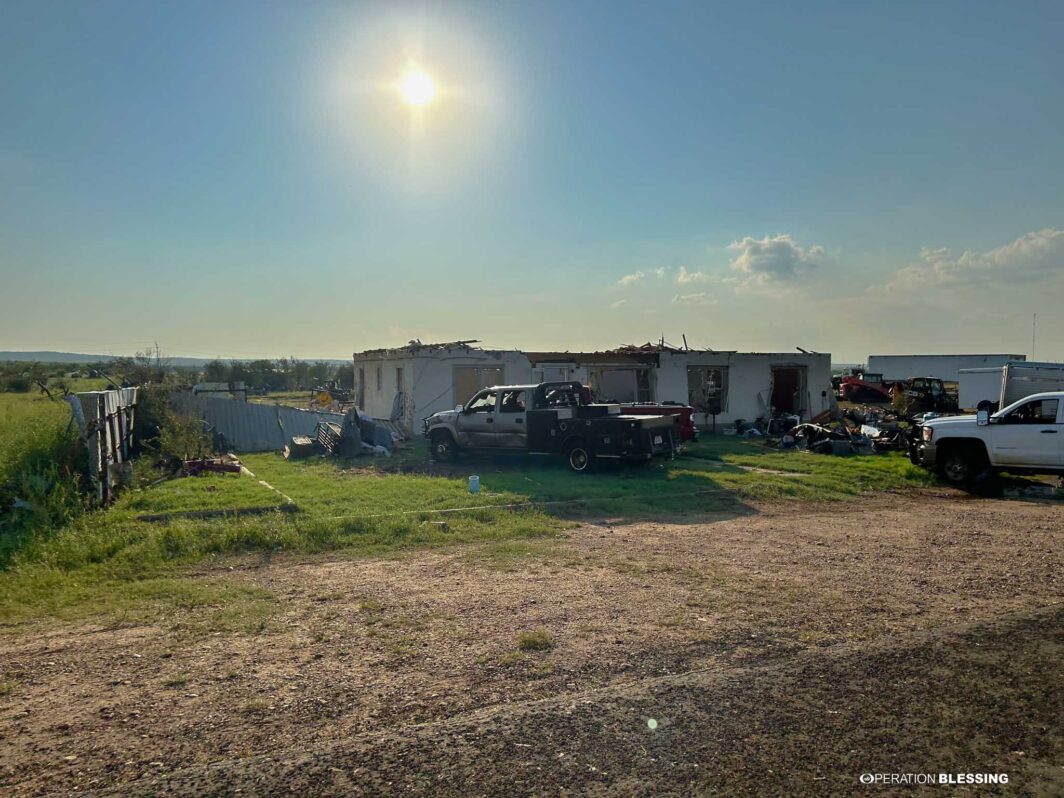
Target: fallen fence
{"type": "Point", "coordinates": [105, 421]}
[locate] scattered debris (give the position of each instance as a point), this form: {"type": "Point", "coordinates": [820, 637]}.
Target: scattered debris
{"type": "Point", "coordinates": [299, 446]}
{"type": "Point", "coordinates": [228, 464]}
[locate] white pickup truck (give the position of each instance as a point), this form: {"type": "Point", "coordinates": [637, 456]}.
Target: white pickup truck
{"type": "Point", "coordinates": [1027, 436]}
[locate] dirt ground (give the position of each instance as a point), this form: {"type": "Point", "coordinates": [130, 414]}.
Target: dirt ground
{"type": "Point", "coordinates": [783, 651]}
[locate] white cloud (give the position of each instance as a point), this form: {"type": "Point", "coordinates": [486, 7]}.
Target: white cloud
{"type": "Point", "coordinates": [660, 272]}
{"type": "Point", "coordinates": [701, 298]}
{"type": "Point", "coordinates": [684, 277]}
{"type": "Point", "coordinates": [620, 303]}
{"type": "Point", "coordinates": [1030, 258]}
{"type": "Point", "coordinates": [776, 259]}
{"type": "Point", "coordinates": [631, 279]}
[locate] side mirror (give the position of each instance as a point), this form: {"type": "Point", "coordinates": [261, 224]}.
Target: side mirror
{"type": "Point", "coordinates": [458, 408]}
{"type": "Point", "coordinates": [982, 417]}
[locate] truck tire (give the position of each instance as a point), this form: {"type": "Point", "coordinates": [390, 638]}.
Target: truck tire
{"type": "Point", "coordinates": [443, 447]}
{"type": "Point", "coordinates": [959, 465]}
{"type": "Point", "coordinates": [578, 457]}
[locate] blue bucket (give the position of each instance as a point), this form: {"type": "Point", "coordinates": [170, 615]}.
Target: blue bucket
{"type": "Point", "coordinates": [474, 484]}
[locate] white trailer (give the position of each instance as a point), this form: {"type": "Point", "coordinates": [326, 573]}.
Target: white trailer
{"type": "Point", "coordinates": [895, 368]}
{"type": "Point", "coordinates": [1023, 379]}
{"type": "Point", "coordinates": [1009, 383]}
{"type": "Point", "coordinates": [979, 385]}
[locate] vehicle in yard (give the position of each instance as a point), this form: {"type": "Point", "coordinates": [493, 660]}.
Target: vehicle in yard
{"type": "Point", "coordinates": [1026, 437]}
{"type": "Point", "coordinates": [862, 386]}
{"type": "Point", "coordinates": [686, 414]}
{"type": "Point", "coordinates": [925, 394]}
{"type": "Point", "coordinates": [551, 418]}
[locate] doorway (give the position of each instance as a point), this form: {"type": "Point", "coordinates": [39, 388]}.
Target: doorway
{"type": "Point", "coordinates": [788, 389]}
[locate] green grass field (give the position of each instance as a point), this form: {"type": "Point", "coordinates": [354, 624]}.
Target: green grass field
{"type": "Point", "coordinates": [113, 563]}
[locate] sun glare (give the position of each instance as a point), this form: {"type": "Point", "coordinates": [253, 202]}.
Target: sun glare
{"type": "Point", "coordinates": [418, 88]}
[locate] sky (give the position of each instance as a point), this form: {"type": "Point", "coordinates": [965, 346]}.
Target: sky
{"type": "Point", "coordinates": [244, 179]}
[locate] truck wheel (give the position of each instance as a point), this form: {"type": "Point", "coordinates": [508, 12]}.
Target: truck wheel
{"type": "Point", "coordinates": [578, 457]}
{"type": "Point", "coordinates": [442, 446]}
{"type": "Point", "coordinates": [959, 466]}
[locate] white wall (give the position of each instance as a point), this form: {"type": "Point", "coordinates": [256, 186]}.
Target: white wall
{"type": "Point", "coordinates": [943, 367]}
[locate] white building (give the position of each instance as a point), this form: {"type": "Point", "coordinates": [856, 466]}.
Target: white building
{"type": "Point", "coordinates": [944, 367]}
{"type": "Point", "coordinates": [407, 384]}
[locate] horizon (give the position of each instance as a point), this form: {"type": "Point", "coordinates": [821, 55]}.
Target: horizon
{"type": "Point", "coordinates": [325, 179]}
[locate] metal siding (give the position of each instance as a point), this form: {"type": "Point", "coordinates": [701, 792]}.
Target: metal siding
{"type": "Point", "coordinates": [249, 427]}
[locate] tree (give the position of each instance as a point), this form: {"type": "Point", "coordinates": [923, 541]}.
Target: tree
{"type": "Point", "coordinates": [142, 368]}
{"type": "Point", "coordinates": [345, 376]}
{"type": "Point", "coordinates": [216, 371]}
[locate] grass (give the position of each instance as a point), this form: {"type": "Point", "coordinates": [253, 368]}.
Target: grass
{"type": "Point", "coordinates": [537, 640]}
{"type": "Point", "coordinates": [40, 463]}
{"type": "Point", "coordinates": [112, 564]}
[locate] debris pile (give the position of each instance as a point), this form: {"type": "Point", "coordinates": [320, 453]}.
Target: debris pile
{"type": "Point", "coordinates": [227, 464]}
{"type": "Point", "coordinates": [832, 437]}
{"type": "Point", "coordinates": [357, 435]}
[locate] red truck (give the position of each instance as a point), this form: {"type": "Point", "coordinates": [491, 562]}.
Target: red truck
{"type": "Point", "coordinates": [861, 386]}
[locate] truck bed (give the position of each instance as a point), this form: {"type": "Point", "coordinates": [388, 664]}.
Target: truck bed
{"type": "Point", "coordinates": [610, 435]}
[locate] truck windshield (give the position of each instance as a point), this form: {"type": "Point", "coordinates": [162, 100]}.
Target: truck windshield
{"type": "Point", "coordinates": [485, 403]}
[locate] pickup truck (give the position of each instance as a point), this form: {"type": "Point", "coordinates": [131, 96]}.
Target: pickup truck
{"type": "Point", "coordinates": [1027, 436]}
{"type": "Point", "coordinates": [551, 418]}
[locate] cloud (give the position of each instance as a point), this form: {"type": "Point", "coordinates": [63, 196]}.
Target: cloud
{"type": "Point", "coordinates": [631, 279]}
{"type": "Point", "coordinates": [762, 262]}
{"type": "Point", "coordinates": [620, 303]}
{"type": "Point", "coordinates": [1031, 258]}
{"type": "Point", "coordinates": [701, 298]}
{"type": "Point", "coordinates": [660, 272]}
{"type": "Point", "coordinates": [684, 277]}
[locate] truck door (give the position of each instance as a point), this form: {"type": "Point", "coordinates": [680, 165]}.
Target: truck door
{"type": "Point", "coordinates": [477, 422]}
{"type": "Point", "coordinates": [510, 420]}
{"type": "Point", "coordinates": [1029, 435]}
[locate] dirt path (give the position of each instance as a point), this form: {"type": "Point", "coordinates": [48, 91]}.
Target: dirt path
{"type": "Point", "coordinates": [411, 671]}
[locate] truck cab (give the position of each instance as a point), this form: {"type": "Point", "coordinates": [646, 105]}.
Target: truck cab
{"type": "Point", "coordinates": [494, 418]}
{"type": "Point", "coordinates": [1027, 436]}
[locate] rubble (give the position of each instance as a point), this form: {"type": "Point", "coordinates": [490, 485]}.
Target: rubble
{"type": "Point", "coordinates": [227, 464]}
{"type": "Point", "coordinates": [356, 435]}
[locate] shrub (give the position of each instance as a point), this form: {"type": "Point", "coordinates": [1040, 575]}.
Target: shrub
{"type": "Point", "coordinates": [18, 384]}
{"type": "Point", "coordinates": [183, 437]}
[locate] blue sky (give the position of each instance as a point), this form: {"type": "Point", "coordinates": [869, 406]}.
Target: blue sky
{"type": "Point", "coordinates": [242, 179]}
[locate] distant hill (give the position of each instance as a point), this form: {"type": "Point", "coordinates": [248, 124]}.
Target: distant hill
{"type": "Point", "coordinates": [55, 357]}
{"type": "Point", "coordinates": [77, 357]}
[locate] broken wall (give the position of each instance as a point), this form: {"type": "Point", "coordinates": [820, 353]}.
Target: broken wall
{"type": "Point", "coordinates": [748, 377]}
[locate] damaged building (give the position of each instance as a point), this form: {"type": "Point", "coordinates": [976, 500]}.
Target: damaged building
{"type": "Point", "coordinates": [409, 383]}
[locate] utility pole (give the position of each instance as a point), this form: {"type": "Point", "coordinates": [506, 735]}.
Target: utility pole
{"type": "Point", "coordinates": [1034, 333]}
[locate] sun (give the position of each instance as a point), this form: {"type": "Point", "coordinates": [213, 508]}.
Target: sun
{"type": "Point", "coordinates": [418, 88]}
